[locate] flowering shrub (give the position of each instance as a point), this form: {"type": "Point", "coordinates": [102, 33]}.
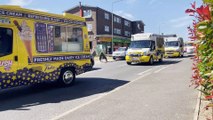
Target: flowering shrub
{"type": "Point", "coordinates": [202, 33]}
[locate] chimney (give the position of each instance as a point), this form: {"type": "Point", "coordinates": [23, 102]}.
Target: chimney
{"type": "Point", "coordinates": [80, 9]}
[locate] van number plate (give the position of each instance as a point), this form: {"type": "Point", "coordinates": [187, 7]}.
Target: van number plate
{"type": "Point", "coordinates": [135, 59]}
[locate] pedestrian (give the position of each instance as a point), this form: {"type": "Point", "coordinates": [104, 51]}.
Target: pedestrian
{"type": "Point", "coordinates": [102, 56]}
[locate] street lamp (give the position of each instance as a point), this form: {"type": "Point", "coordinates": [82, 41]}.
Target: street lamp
{"type": "Point", "coordinates": [113, 20]}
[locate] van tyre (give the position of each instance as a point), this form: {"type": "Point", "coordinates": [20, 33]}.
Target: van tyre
{"type": "Point", "coordinates": [151, 61]}
{"type": "Point", "coordinates": [67, 77]}
{"type": "Point", "coordinates": [128, 63]}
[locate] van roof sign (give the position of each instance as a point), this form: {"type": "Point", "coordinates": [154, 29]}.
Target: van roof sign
{"type": "Point", "coordinates": [39, 17]}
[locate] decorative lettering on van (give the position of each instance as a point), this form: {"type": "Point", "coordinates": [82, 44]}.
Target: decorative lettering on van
{"type": "Point", "coordinates": [49, 67]}
{"type": "Point", "coordinates": [5, 20]}
{"type": "Point", "coordinates": [6, 64]}
{"type": "Point", "coordinates": [60, 58]}
{"type": "Point", "coordinates": [39, 17]}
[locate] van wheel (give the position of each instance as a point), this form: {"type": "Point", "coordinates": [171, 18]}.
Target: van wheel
{"type": "Point", "coordinates": [128, 63]}
{"type": "Point", "coordinates": [151, 61]}
{"type": "Point", "coordinates": [67, 77]}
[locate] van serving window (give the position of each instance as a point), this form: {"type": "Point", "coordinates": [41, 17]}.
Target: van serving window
{"type": "Point", "coordinates": [6, 41]}
{"type": "Point", "coordinates": [53, 38]}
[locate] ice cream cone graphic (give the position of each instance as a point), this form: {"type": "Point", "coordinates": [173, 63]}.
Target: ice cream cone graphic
{"type": "Point", "coordinates": [26, 36]}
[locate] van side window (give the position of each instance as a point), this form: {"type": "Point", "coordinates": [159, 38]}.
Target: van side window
{"type": "Point", "coordinates": [74, 39]}
{"type": "Point", "coordinates": [6, 41]}
{"type": "Point", "coordinates": [60, 38]}
{"type": "Point", "coordinates": [54, 38]}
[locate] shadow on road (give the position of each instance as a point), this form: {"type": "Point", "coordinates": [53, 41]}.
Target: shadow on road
{"type": "Point", "coordinates": [94, 69]}
{"type": "Point", "coordinates": [23, 97]}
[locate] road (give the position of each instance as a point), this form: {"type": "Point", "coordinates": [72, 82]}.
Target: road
{"type": "Point", "coordinates": [112, 91]}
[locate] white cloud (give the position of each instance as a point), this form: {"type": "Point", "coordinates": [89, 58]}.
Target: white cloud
{"type": "Point", "coordinates": [181, 22]}
{"type": "Point", "coordinates": [20, 2]}
{"type": "Point", "coordinates": [125, 15]}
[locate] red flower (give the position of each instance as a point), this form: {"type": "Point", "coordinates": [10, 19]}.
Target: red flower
{"type": "Point", "coordinates": [204, 12]}
{"type": "Point", "coordinates": [193, 5]}
{"type": "Point", "coordinates": [209, 97]}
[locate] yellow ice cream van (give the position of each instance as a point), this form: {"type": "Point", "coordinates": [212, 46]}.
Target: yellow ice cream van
{"type": "Point", "coordinates": [145, 48]}
{"type": "Point", "coordinates": [174, 47]}
{"type": "Point", "coordinates": [38, 46]}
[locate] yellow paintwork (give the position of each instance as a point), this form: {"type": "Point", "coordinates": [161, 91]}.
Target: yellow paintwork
{"type": "Point", "coordinates": [139, 59]}
{"type": "Point", "coordinates": [172, 54]}
{"type": "Point", "coordinates": [19, 47]}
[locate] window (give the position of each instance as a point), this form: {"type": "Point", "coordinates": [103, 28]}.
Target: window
{"type": "Point", "coordinates": [53, 38]}
{"type": "Point", "coordinates": [117, 19]}
{"type": "Point", "coordinates": [106, 16]}
{"type": "Point", "coordinates": [87, 13]}
{"type": "Point", "coordinates": [60, 38]}
{"type": "Point", "coordinates": [6, 41]}
{"type": "Point", "coordinates": [127, 23]}
{"type": "Point", "coordinates": [106, 28]}
{"type": "Point", "coordinates": [74, 40]}
{"type": "Point", "coordinates": [172, 44]}
{"type": "Point", "coordinates": [140, 44]}
{"type": "Point", "coordinates": [89, 27]}
{"type": "Point", "coordinates": [117, 31]}
{"type": "Point", "coordinates": [127, 33]}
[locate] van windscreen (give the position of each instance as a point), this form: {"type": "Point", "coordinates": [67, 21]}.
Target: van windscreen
{"type": "Point", "coordinates": [140, 44]}
{"type": "Point", "coordinates": [172, 44]}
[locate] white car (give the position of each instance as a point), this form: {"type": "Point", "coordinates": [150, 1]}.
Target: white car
{"type": "Point", "coordinates": [120, 53]}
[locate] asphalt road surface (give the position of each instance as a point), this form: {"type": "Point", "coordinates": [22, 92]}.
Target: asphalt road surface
{"type": "Point", "coordinates": [112, 91]}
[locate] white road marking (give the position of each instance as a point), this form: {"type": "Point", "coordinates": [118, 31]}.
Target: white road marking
{"type": "Point", "coordinates": [148, 70]}
{"type": "Point", "coordinates": [145, 71]}
{"type": "Point", "coordinates": [100, 97]}
{"type": "Point", "coordinates": [162, 69]}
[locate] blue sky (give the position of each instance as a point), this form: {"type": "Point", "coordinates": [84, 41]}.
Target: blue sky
{"type": "Point", "coordinates": [165, 16]}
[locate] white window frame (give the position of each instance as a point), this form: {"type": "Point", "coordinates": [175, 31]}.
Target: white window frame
{"type": "Point", "coordinates": [127, 23]}
{"type": "Point", "coordinates": [87, 13]}
{"type": "Point", "coordinates": [106, 28]}
{"type": "Point", "coordinates": [106, 16]}
{"type": "Point", "coordinates": [118, 20]}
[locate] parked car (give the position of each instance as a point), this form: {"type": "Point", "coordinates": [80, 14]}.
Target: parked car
{"type": "Point", "coordinates": [189, 47]}
{"type": "Point", "coordinates": [120, 53]}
